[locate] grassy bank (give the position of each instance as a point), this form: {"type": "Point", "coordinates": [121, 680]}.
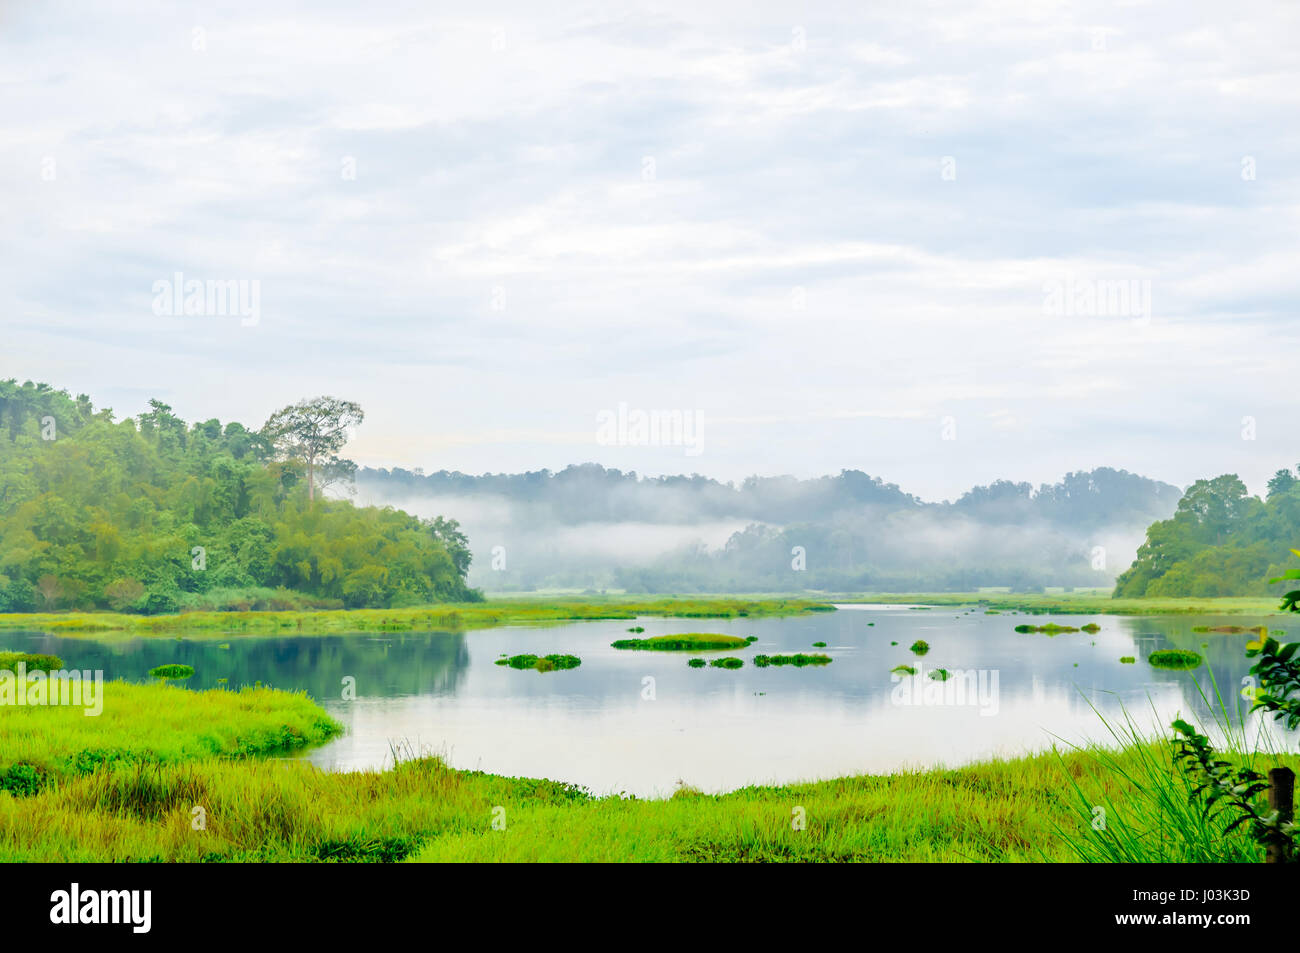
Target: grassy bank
{"type": "Point", "coordinates": [152, 725]}
{"type": "Point", "coordinates": [170, 751]}
{"type": "Point", "coordinates": [453, 617]}
{"type": "Point", "coordinates": [1069, 603]}
{"type": "Point", "coordinates": [1013, 810]}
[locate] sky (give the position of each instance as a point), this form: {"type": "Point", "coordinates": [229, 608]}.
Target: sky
{"type": "Point", "coordinates": [943, 243]}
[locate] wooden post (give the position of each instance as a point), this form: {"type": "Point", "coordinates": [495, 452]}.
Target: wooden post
{"type": "Point", "coordinates": [1281, 798]}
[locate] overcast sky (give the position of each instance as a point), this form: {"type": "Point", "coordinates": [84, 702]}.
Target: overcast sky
{"type": "Point", "coordinates": [838, 237]}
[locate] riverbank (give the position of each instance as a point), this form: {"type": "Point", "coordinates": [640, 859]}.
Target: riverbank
{"type": "Point", "coordinates": [521, 610]}
{"type": "Point", "coordinates": [443, 618]}
{"type": "Point", "coordinates": [1068, 603]}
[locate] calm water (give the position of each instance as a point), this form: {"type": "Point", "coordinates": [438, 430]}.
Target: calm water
{"type": "Point", "coordinates": [640, 722]}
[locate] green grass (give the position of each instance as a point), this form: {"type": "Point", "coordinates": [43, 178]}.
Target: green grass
{"type": "Point", "coordinates": [920, 647]}
{"type": "Point", "coordinates": [729, 662]}
{"type": "Point", "coordinates": [684, 642]}
{"type": "Point", "coordinates": [903, 670]}
{"type": "Point", "coordinates": [449, 617]}
{"type": "Point", "coordinates": [155, 724]}
{"type": "Point", "coordinates": [542, 663]}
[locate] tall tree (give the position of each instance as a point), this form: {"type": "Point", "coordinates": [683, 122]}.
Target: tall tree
{"type": "Point", "coordinates": [313, 431]}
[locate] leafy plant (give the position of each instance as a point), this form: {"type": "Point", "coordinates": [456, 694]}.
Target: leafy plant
{"type": "Point", "coordinates": [1231, 789]}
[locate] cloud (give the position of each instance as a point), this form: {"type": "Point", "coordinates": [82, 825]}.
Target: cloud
{"type": "Point", "coordinates": [487, 227]}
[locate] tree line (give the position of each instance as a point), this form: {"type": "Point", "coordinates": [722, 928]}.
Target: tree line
{"type": "Point", "coordinates": [153, 514]}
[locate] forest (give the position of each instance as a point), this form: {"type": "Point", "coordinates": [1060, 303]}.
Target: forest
{"type": "Point", "coordinates": [154, 515]}
{"type": "Point", "coordinates": [1221, 541]}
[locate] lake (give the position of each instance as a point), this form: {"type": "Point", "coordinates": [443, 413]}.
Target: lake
{"type": "Point", "coordinates": [641, 722]}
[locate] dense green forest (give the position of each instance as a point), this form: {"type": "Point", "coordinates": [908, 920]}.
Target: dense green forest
{"type": "Point", "coordinates": [155, 515]}
{"type": "Point", "coordinates": [1220, 541]}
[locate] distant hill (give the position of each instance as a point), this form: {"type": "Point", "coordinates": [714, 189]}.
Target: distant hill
{"type": "Point", "coordinates": [589, 526]}
{"type": "Point", "coordinates": [1219, 542]}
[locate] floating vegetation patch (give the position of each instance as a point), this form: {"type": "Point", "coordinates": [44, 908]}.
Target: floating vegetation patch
{"type": "Point", "coordinates": [1175, 658]}
{"type": "Point", "coordinates": [541, 663]}
{"type": "Point", "coordinates": [32, 662]}
{"type": "Point", "coordinates": [1092, 628]}
{"type": "Point", "coordinates": [751, 639]}
{"type": "Point", "coordinates": [990, 612]}
{"type": "Point", "coordinates": [799, 659]}
{"type": "Point", "coordinates": [920, 646]}
{"type": "Point", "coordinates": [1127, 659]}
{"type": "Point", "coordinates": [684, 642]}
{"type": "Point", "coordinates": [903, 670]}
{"type": "Point", "coordinates": [893, 643]}
{"type": "Point", "coordinates": [729, 662]}
{"type": "Point", "coordinates": [1260, 630]}
{"type": "Point", "coordinates": [637, 628]}
{"type": "Point", "coordinates": [940, 674]}
{"type": "Point", "coordinates": [696, 662]}
{"type": "Point", "coordinates": [172, 671]}
{"type": "Point", "coordinates": [819, 645]}
{"type": "Point", "coordinates": [1050, 629]}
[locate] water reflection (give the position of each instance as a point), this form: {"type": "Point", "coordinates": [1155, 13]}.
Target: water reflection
{"type": "Point", "coordinates": [640, 722]}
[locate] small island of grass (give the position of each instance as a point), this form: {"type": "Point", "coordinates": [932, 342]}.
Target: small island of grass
{"type": "Point", "coordinates": [1050, 628]}
{"type": "Point", "coordinates": [729, 662]}
{"type": "Point", "coordinates": [1175, 659]}
{"type": "Point", "coordinates": [940, 674]}
{"type": "Point", "coordinates": [799, 659]}
{"type": "Point", "coordinates": [172, 671]}
{"type": "Point", "coordinates": [684, 642]}
{"type": "Point", "coordinates": [541, 663]}
{"type": "Point", "coordinates": [920, 646]}
{"type": "Point", "coordinates": [903, 670]}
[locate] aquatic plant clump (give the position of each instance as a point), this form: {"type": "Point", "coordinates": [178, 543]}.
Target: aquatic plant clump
{"type": "Point", "coordinates": [1175, 659]}
{"type": "Point", "coordinates": [1092, 628]}
{"type": "Point", "coordinates": [799, 659]}
{"type": "Point", "coordinates": [1050, 629]}
{"type": "Point", "coordinates": [172, 671]}
{"type": "Point", "coordinates": [920, 646]}
{"type": "Point", "coordinates": [940, 674]}
{"type": "Point", "coordinates": [684, 642]}
{"type": "Point", "coordinates": [31, 661]}
{"type": "Point", "coordinates": [1127, 659]}
{"type": "Point", "coordinates": [542, 663]}
{"type": "Point", "coordinates": [819, 645]}
{"type": "Point", "coordinates": [696, 663]}
{"type": "Point", "coordinates": [729, 662]}
{"type": "Point", "coordinates": [903, 670]}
